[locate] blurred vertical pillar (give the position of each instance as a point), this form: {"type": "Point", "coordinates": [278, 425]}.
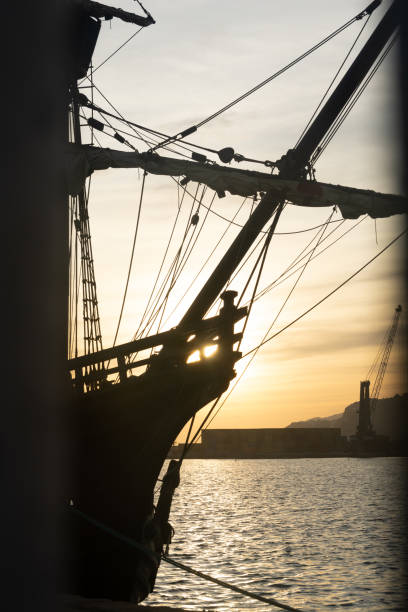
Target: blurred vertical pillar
{"type": "Point", "coordinates": [402, 68]}
{"type": "Point", "coordinates": [34, 260]}
{"type": "Point", "coordinates": [402, 72]}
{"type": "Point", "coordinates": [403, 89]}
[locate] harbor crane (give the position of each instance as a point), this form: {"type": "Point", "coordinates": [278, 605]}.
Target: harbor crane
{"type": "Point", "coordinates": [367, 404]}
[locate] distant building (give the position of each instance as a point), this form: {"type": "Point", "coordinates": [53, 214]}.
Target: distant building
{"type": "Point", "coordinates": [266, 443]}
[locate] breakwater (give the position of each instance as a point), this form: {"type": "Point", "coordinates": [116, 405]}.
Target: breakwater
{"type": "Point", "coordinates": [269, 443]}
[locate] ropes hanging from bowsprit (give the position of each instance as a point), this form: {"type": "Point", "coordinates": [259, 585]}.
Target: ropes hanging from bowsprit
{"type": "Point", "coordinates": [156, 538]}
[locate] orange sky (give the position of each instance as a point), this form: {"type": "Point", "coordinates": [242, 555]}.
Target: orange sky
{"type": "Point", "coordinates": [179, 71]}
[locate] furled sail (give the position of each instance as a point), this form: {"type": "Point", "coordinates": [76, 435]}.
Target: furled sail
{"type": "Point", "coordinates": [83, 160]}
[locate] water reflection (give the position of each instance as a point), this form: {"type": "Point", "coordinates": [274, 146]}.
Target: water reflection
{"type": "Point", "coordinates": [317, 534]}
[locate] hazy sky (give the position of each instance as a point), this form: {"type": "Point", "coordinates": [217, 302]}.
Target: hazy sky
{"type": "Point", "coordinates": [195, 59]}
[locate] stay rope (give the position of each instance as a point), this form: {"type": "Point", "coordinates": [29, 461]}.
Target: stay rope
{"type": "Point", "coordinates": [181, 135]}
{"type": "Point", "coordinates": [348, 108]}
{"type": "Point", "coordinates": [333, 81]}
{"type": "Point", "coordinates": [328, 295]}
{"type": "Point", "coordinates": [282, 70]}
{"type": "Point", "coordinates": [367, 11]}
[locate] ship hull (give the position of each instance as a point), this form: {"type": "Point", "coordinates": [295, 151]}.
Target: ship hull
{"type": "Point", "coordinates": [124, 434]}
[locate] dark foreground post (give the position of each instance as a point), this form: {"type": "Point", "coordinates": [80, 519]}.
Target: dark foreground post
{"type": "Point", "coordinates": [34, 282]}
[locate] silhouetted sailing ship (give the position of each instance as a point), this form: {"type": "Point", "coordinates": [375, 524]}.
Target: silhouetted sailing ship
{"type": "Point", "coordinates": [129, 410]}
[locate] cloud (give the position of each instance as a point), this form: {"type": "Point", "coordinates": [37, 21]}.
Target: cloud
{"type": "Point", "coordinates": [328, 342]}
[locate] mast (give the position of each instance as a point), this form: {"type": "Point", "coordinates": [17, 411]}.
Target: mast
{"type": "Point", "coordinates": [354, 76]}
{"type": "Point", "coordinates": [85, 31]}
{"type": "Point", "coordinates": [292, 166]}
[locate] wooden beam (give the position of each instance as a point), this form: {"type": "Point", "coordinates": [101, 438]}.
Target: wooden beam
{"type": "Point", "coordinates": [206, 325]}
{"type": "Point", "coordinates": [101, 10]}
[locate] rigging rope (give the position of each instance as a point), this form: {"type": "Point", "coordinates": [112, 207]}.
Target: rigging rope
{"type": "Point", "coordinates": [170, 274]}
{"type": "Point", "coordinates": [118, 131]}
{"type": "Point", "coordinates": [122, 45]}
{"type": "Point", "coordinates": [74, 286]}
{"type": "Point", "coordinates": [293, 262]}
{"type": "Point", "coordinates": [285, 68]}
{"type": "Point", "coordinates": [131, 257]}
{"type": "Point", "coordinates": [149, 306]}
{"type": "Point", "coordinates": [328, 295]}
{"type": "Point", "coordinates": [261, 255]}
{"type": "Point", "coordinates": [262, 258]}
{"type": "Point", "coordinates": [187, 253]}
{"type": "Point", "coordinates": [185, 447]}
{"type": "Point", "coordinates": [232, 222]}
{"type": "Point", "coordinates": [181, 135]}
{"type": "Point", "coordinates": [161, 266]}
{"type": "Point", "coordinates": [203, 422]}
{"type": "Point", "coordinates": [156, 307]}
{"type": "Point", "coordinates": [114, 53]}
{"type": "Point", "coordinates": [176, 267]}
{"type": "Point", "coordinates": [332, 81]}
{"type": "Point", "coordinates": [311, 257]}
{"type": "Point", "coordinates": [367, 11]}
{"type": "Point", "coordinates": [282, 276]}
{"type": "Point", "coordinates": [121, 117]}
{"type": "Point", "coordinates": [273, 322]}
{"type": "Point", "coordinates": [168, 139]}
{"type": "Point", "coordinates": [206, 261]}
{"type": "Point", "coordinates": [177, 272]}
{"type": "Point", "coordinates": [247, 258]}
{"type": "Point", "coordinates": [147, 142]}
{"type": "Point", "coordinates": [319, 239]}
{"type": "Point", "coordinates": [186, 256]}
{"type": "Point", "coordinates": [132, 125]}
{"type": "Point", "coordinates": [347, 109]}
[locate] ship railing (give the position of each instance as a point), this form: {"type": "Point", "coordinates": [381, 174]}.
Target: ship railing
{"type": "Point", "coordinates": [115, 365]}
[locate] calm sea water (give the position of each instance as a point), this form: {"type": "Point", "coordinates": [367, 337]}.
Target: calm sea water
{"type": "Point", "coordinates": [317, 534]}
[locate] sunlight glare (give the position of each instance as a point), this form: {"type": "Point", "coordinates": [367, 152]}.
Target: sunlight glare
{"type": "Point", "coordinates": [210, 350]}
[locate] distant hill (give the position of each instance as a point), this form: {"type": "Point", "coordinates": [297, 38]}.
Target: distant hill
{"type": "Point", "coordinates": [390, 418]}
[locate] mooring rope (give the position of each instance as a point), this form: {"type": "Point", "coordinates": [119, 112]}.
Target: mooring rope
{"type": "Point", "coordinates": [149, 553]}
{"type": "Point", "coordinates": [232, 587]}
